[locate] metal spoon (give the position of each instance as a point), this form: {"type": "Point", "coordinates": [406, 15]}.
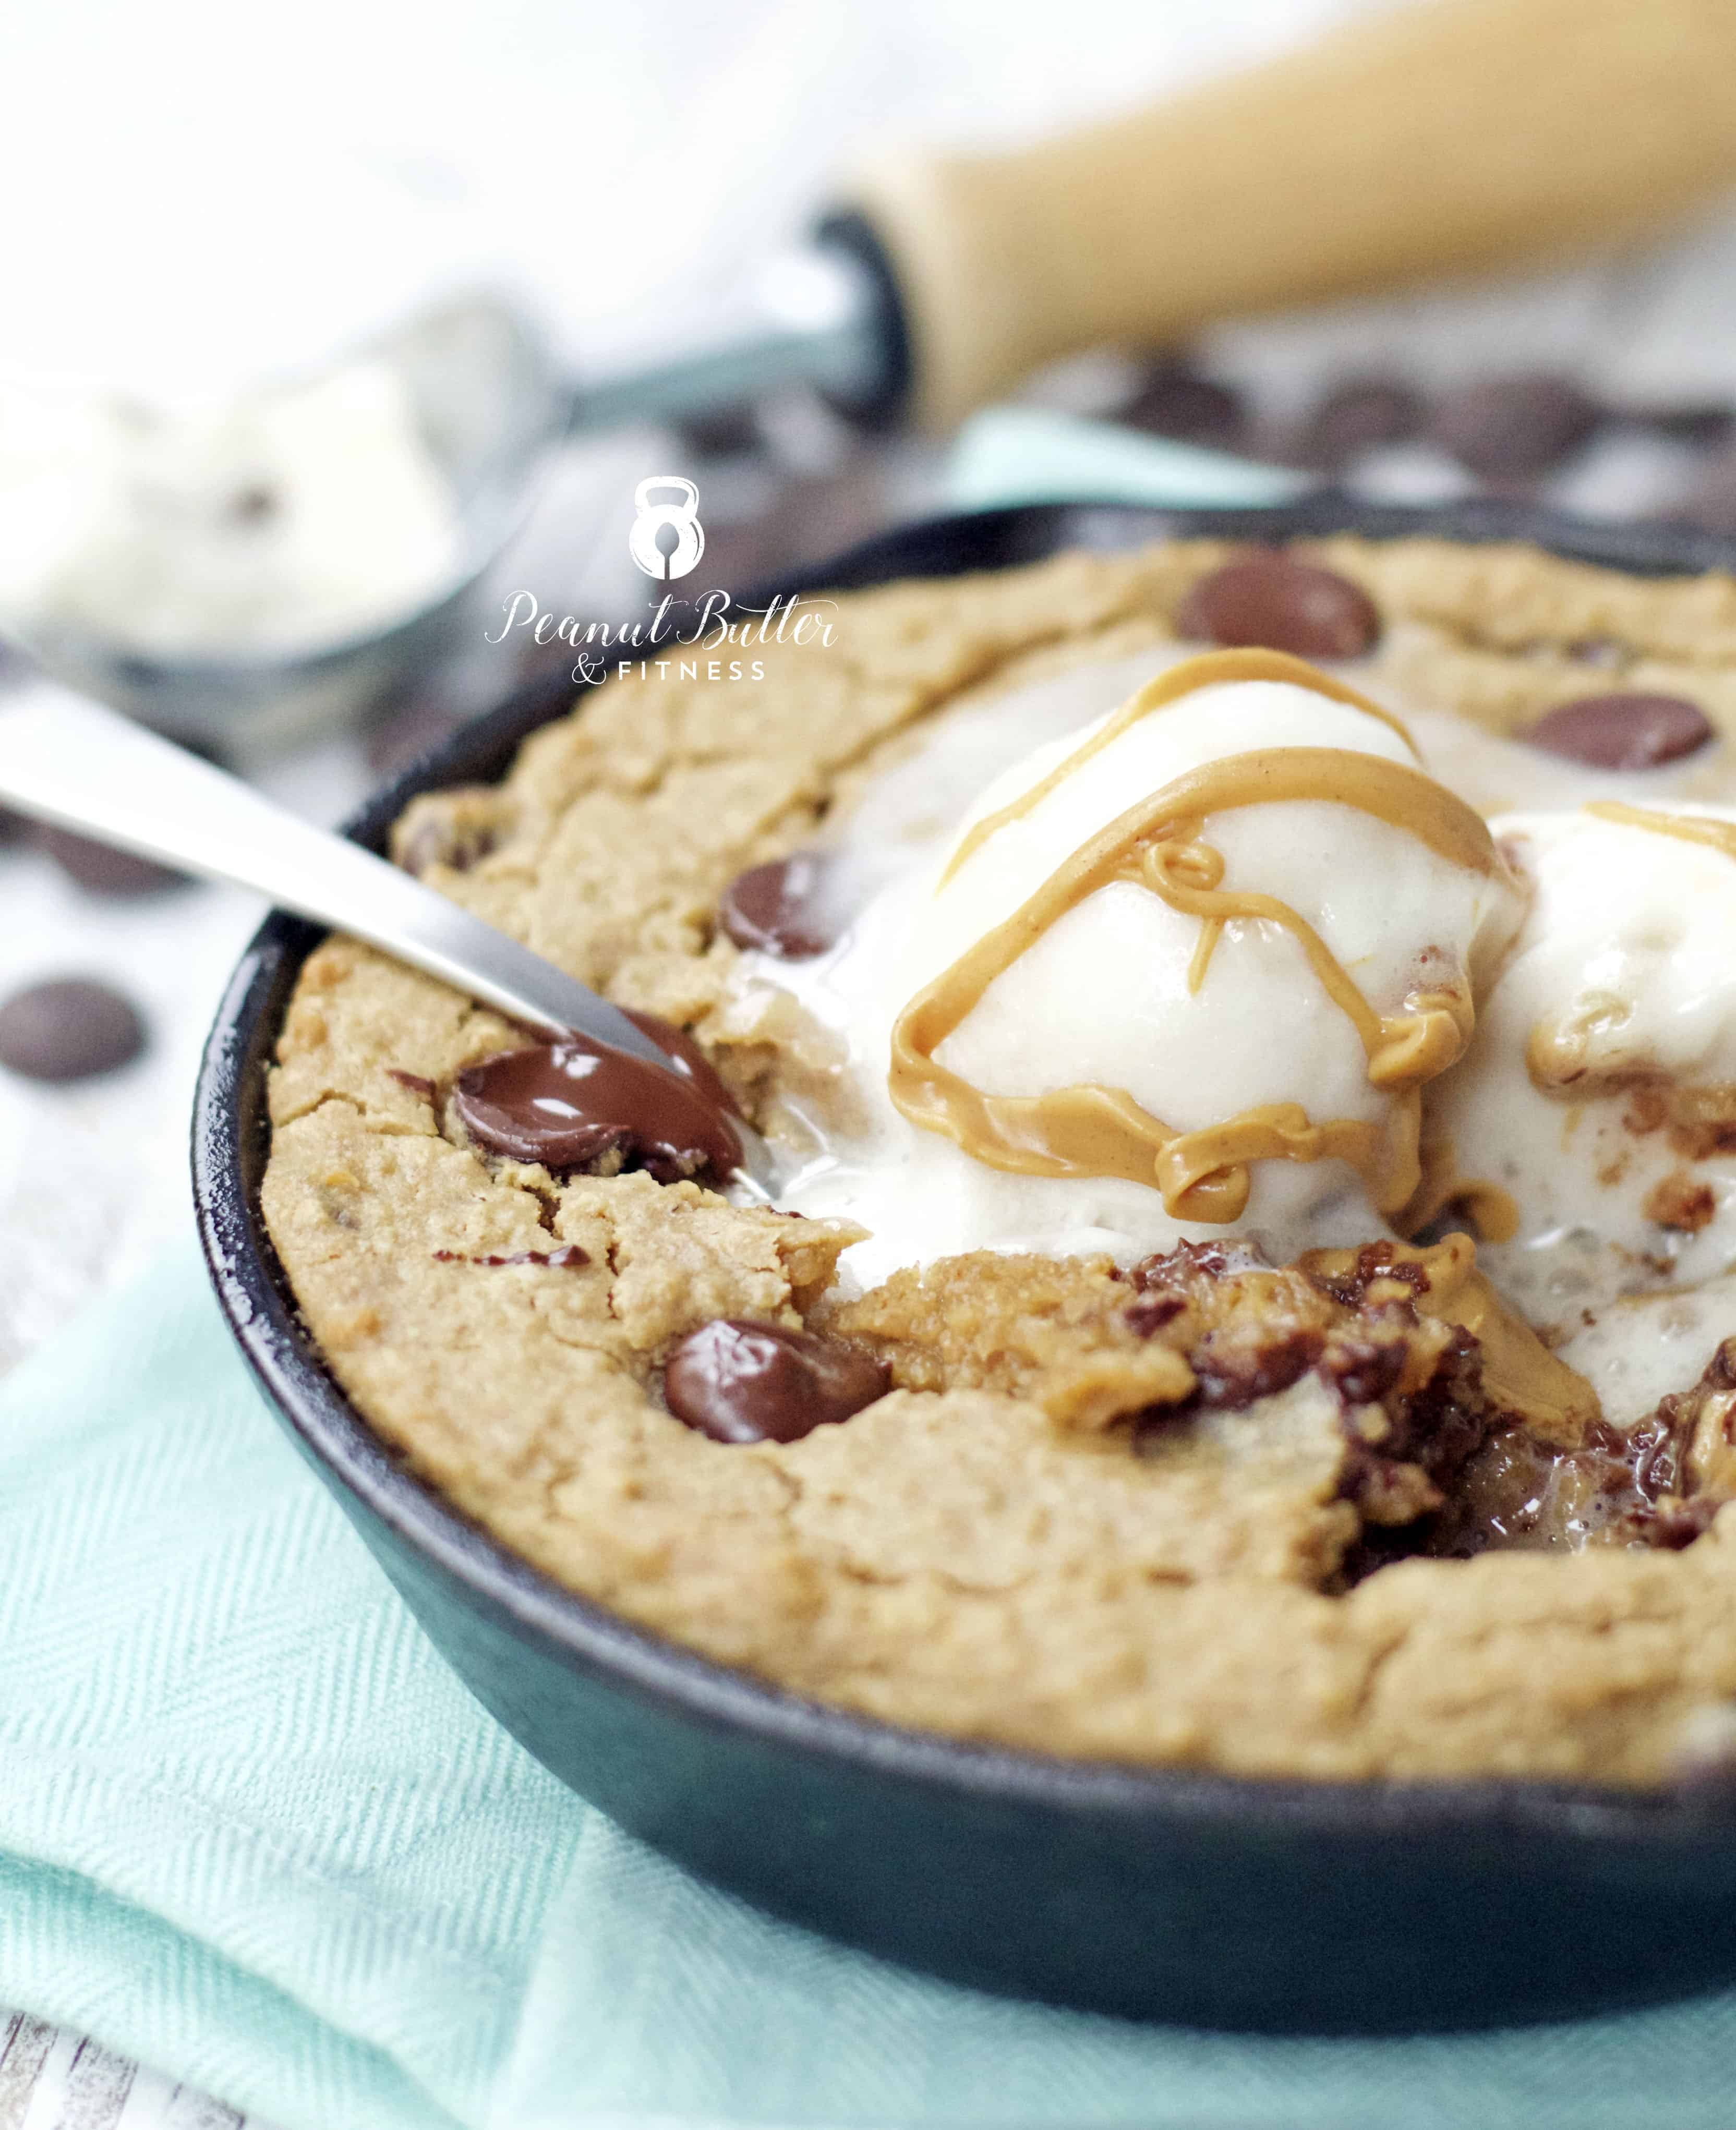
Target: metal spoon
{"type": "Point", "coordinates": [75, 763]}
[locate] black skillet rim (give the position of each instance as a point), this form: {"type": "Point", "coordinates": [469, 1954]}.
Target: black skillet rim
{"type": "Point", "coordinates": [252, 1293]}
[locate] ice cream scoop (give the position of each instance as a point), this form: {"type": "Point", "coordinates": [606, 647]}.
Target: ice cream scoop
{"type": "Point", "coordinates": [1184, 973]}
{"type": "Point", "coordinates": [1599, 1093]}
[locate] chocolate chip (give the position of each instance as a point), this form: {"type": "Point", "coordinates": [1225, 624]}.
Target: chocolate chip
{"type": "Point", "coordinates": [1710, 505]}
{"type": "Point", "coordinates": [68, 1029]}
{"type": "Point", "coordinates": [101, 870]}
{"type": "Point", "coordinates": [778, 909]}
{"type": "Point", "coordinates": [568, 1258]}
{"type": "Point", "coordinates": [723, 433]}
{"type": "Point", "coordinates": [1174, 400]}
{"type": "Point", "coordinates": [1273, 601]}
{"type": "Point", "coordinates": [1621, 730]}
{"type": "Point", "coordinates": [1357, 416]}
{"type": "Point", "coordinates": [1703, 423]}
{"type": "Point", "coordinates": [417, 1082]}
{"type": "Point", "coordinates": [1232, 1374]}
{"type": "Point", "coordinates": [684, 1054]}
{"type": "Point", "coordinates": [741, 1382]}
{"type": "Point", "coordinates": [577, 1106]}
{"type": "Point", "coordinates": [13, 827]}
{"type": "Point", "coordinates": [457, 828]}
{"type": "Point", "coordinates": [1513, 428]}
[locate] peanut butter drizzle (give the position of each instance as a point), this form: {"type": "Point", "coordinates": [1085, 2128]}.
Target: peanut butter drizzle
{"type": "Point", "coordinates": [1691, 828]}
{"type": "Point", "coordinates": [1207, 671]}
{"type": "Point", "coordinates": [1519, 1372]}
{"type": "Point", "coordinates": [1090, 1130]}
{"type": "Point", "coordinates": [1495, 1210]}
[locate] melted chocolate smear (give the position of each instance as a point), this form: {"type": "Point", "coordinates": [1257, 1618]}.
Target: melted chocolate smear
{"type": "Point", "coordinates": [1621, 730]}
{"type": "Point", "coordinates": [1270, 602]}
{"type": "Point", "coordinates": [568, 1258]}
{"type": "Point", "coordinates": [741, 1382]}
{"type": "Point", "coordinates": [776, 908]}
{"type": "Point", "coordinates": [575, 1105]}
{"type": "Point", "coordinates": [416, 1084]}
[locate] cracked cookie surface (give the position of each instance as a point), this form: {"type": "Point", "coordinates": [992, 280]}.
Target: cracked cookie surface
{"type": "Point", "coordinates": [1083, 1521]}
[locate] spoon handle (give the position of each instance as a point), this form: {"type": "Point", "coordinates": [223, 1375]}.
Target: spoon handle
{"type": "Point", "coordinates": [87, 768]}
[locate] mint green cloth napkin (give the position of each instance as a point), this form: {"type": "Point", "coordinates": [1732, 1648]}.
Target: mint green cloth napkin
{"type": "Point", "coordinates": [253, 1832]}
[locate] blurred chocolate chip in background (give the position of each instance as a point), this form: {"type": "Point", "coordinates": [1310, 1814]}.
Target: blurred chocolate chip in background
{"type": "Point", "coordinates": [1361, 414]}
{"type": "Point", "coordinates": [1513, 428]}
{"type": "Point", "coordinates": [1704, 424]}
{"type": "Point", "coordinates": [13, 827]}
{"type": "Point", "coordinates": [1709, 505]}
{"type": "Point", "coordinates": [408, 729]}
{"type": "Point", "coordinates": [69, 1027]}
{"type": "Point", "coordinates": [1173, 399]}
{"type": "Point", "coordinates": [723, 433]}
{"type": "Point", "coordinates": [100, 870]}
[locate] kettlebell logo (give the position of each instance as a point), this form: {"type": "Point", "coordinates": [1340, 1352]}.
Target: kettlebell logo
{"type": "Point", "coordinates": [667, 539]}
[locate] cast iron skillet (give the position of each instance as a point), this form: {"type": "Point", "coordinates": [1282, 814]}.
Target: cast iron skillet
{"type": "Point", "coordinates": [1186, 1896]}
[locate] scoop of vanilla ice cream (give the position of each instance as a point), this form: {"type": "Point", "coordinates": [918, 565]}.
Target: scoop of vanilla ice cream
{"type": "Point", "coordinates": [1604, 1060]}
{"type": "Point", "coordinates": [1104, 997]}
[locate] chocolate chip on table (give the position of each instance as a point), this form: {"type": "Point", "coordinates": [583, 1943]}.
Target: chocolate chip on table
{"type": "Point", "coordinates": [1358, 415]}
{"type": "Point", "coordinates": [69, 1027]}
{"type": "Point", "coordinates": [741, 1382]}
{"type": "Point", "coordinates": [1621, 730]}
{"type": "Point", "coordinates": [1710, 506]}
{"type": "Point", "coordinates": [1513, 428]}
{"type": "Point", "coordinates": [777, 908]}
{"type": "Point", "coordinates": [1272, 600]}
{"type": "Point", "coordinates": [409, 731]}
{"type": "Point", "coordinates": [577, 1105]}
{"type": "Point", "coordinates": [1703, 423]}
{"type": "Point", "coordinates": [723, 433]}
{"type": "Point", "coordinates": [1174, 400]}
{"type": "Point", "coordinates": [100, 869]}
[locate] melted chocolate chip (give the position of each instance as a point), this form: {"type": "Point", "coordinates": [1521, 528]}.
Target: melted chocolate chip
{"type": "Point", "coordinates": [577, 1104]}
{"type": "Point", "coordinates": [68, 1029]}
{"type": "Point", "coordinates": [415, 1081]}
{"type": "Point", "coordinates": [1233, 1374]}
{"type": "Point", "coordinates": [1147, 1316]}
{"type": "Point", "coordinates": [101, 870]}
{"type": "Point", "coordinates": [777, 908]}
{"type": "Point", "coordinates": [1621, 730]}
{"type": "Point", "coordinates": [740, 1381]}
{"type": "Point", "coordinates": [1513, 428]}
{"type": "Point", "coordinates": [457, 843]}
{"type": "Point", "coordinates": [684, 1054]}
{"type": "Point", "coordinates": [1273, 602]}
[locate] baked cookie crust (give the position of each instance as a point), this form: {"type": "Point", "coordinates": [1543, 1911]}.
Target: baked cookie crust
{"type": "Point", "coordinates": [1059, 1531]}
